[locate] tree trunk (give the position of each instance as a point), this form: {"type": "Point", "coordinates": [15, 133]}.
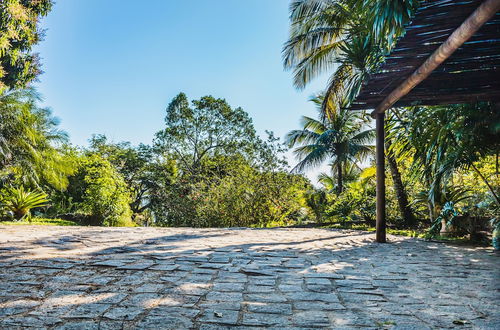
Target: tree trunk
{"type": "Point", "coordinates": [380, 221]}
{"type": "Point", "coordinates": [19, 214]}
{"type": "Point", "coordinates": [399, 189]}
{"type": "Point", "coordinates": [492, 190]}
{"type": "Point", "coordinates": [340, 188]}
{"type": "Point", "coordinates": [496, 164]}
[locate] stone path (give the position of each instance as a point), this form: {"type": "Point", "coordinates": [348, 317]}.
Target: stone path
{"type": "Point", "coordinates": [113, 278]}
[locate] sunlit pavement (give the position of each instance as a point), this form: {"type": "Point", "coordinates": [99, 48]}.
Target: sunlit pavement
{"type": "Point", "coordinates": [90, 278]}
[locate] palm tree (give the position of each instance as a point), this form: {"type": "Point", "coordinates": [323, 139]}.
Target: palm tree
{"type": "Point", "coordinates": [317, 29]}
{"type": "Point", "coordinates": [29, 141]}
{"type": "Point", "coordinates": [342, 138]}
{"type": "Point", "coordinates": [404, 205]}
{"type": "Point", "coordinates": [348, 38]}
{"type": "Point", "coordinates": [350, 173]}
{"type": "Point", "coordinates": [344, 37]}
{"type": "Point", "coordinates": [442, 140]}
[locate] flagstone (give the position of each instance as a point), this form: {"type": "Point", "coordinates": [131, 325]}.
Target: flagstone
{"type": "Point", "coordinates": [179, 278]}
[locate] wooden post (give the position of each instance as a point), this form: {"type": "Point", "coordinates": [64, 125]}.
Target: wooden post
{"type": "Point", "coordinates": [380, 163]}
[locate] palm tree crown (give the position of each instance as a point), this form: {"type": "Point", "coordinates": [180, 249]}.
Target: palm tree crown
{"type": "Point", "coordinates": [344, 37]}
{"type": "Point", "coordinates": [342, 138]}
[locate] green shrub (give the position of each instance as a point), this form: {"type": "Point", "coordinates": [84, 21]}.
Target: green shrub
{"type": "Point", "coordinates": [232, 193]}
{"type": "Point", "coordinates": [357, 203]}
{"type": "Point", "coordinates": [20, 201]}
{"type": "Point", "coordinates": [98, 190]}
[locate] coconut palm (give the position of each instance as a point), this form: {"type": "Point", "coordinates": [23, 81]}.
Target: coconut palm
{"type": "Point", "coordinates": [317, 30]}
{"type": "Point", "coordinates": [350, 173]}
{"type": "Point", "coordinates": [342, 139]}
{"type": "Point", "coordinates": [348, 39]}
{"type": "Point", "coordinates": [344, 38]}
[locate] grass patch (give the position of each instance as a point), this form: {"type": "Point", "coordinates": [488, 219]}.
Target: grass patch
{"type": "Point", "coordinates": [401, 232]}
{"type": "Point", "coordinates": [41, 222]}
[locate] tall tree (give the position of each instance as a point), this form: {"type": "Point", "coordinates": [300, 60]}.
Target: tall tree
{"type": "Point", "coordinates": [342, 138]}
{"type": "Point", "coordinates": [347, 38]}
{"type": "Point", "coordinates": [399, 188]}
{"type": "Point", "coordinates": [19, 32]}
{"type": "Point", "coordinates": [210, 127]}
{"type": "Point", "coordinates": [404, 206]}
{"type": "Point", "coordinates": [213, 170]}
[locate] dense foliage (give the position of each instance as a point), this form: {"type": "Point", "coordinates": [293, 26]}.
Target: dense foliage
{"type": "Point", "coordinates": [220, 173]}
{"type": "Point", "coordinates": [207, 167]}
{"type": "Point", "coordinates": [443, 160]}
{"type": "Point", "coordinates": [19, 32]}
{"type": "Point", "coordinates": [98, 190]}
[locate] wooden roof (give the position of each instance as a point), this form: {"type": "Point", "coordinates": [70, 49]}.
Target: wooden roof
{"type": "Point", "coordinates": [471, 74]}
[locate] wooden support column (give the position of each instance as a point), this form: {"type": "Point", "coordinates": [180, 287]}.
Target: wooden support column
{"type": "Point", "coordinates": [380, 163]}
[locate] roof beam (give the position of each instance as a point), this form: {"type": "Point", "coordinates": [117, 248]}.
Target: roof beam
{"type": "Point", "coordinates": [467, 29]}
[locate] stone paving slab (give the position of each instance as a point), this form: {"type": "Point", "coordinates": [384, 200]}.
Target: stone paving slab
{"type": "Point", "coordinates": [183, 278]}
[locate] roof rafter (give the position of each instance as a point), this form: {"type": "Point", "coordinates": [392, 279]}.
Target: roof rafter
{"type": "Point", "coordinates": [449, 54]}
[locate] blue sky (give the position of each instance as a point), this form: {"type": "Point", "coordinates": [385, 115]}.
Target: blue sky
{"type": "Point", "coordinates": [112, 66]}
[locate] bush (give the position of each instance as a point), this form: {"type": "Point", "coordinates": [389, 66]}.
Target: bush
{"type": "Point", "coordinates": [232, 194]}
{"type": "Point", "coordinates": [100, 192]}
{"type": "Point", "coordinates": [357, 203]}
{"type": "Point", "coordinates": [20, 201]}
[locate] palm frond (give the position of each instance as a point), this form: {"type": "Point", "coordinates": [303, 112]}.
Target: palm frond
{"type": "Point", "coordinates": [300, 136]}
{"type": "Point", "coordinates": [313, 64]}
{"type": "Point", "coordinates": [334, 97]}
{"type": "Point", "coordinates": [314, 125]}
{"type": "Point", "coordinates": [312, 156]}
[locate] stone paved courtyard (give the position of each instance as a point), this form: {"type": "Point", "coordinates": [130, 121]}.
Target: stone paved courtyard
{"type": "Point", "coordinates": [112, 278]}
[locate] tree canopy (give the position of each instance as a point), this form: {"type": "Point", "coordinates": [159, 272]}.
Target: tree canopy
{"type": "Point", "coordinates": [19, 32]}
{"type": "Point", "coordinates": [30, 142]}
{"type": "Point", "coordinates": [209, 167]}
{"type": "Point", "coordinates": [207, 128]}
